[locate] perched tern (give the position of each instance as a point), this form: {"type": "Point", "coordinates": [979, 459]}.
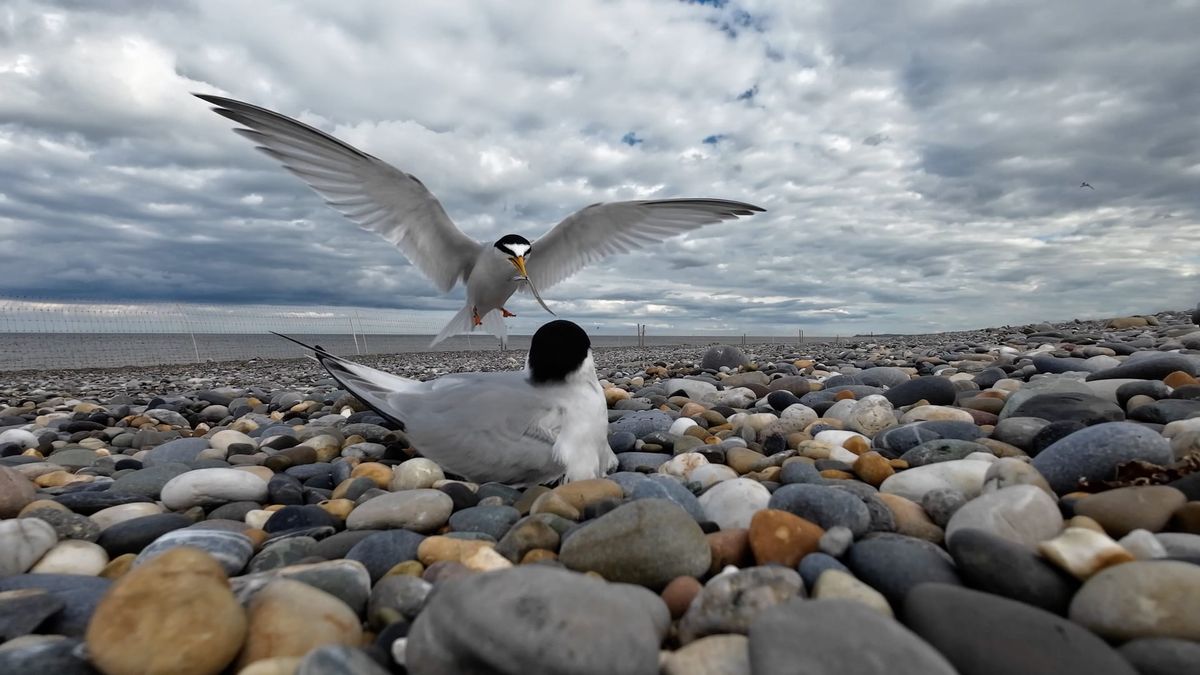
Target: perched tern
{"type": "Point", "coordinates": [395, 205]}
{"type": "Point", "coordinates": [545, 423]}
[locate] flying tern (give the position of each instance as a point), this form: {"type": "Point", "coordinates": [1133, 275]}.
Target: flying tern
{"type": "Point", "coordinates": [397, 206]}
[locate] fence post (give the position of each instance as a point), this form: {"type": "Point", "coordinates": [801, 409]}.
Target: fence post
{"type": "Point", "coordinates": [187, 324]}
{"type": "Point", "coordinates": [363, 331]}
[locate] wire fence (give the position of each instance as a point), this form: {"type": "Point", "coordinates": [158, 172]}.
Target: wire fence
{"type": "Point", "coordinates": [38, 333]}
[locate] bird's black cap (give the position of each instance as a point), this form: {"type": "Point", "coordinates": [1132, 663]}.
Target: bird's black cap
{"type": "Point", "coordinates": [557, 350]}
{"type": "Point", "coordinates": [504, 243]}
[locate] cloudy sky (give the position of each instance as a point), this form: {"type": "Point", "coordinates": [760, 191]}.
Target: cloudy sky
{"type": "Point", "coordinates": [920, 162]}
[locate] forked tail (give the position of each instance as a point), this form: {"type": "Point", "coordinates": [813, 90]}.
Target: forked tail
{"type": "Point", "coordinates": [463, 322]}
{"type": "Point", "coordinates": [370, 386]}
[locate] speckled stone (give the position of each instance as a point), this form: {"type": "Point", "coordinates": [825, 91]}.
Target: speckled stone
{"type": "Point", "coordinates": [231, 549]}
{"type": "Point", "coordinates": [729, 603]}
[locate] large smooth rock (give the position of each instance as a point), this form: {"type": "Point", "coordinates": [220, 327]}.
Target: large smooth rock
{"type": "Point", "coordinates": [422, 510]}
{"type": "Point", "coordinates": [131, 536]}
{"type": "Point", "coordinates": [732, 503]}
{"type": "Point", "coordinates": [1141, 599]}
{"type": "Point", "coordinates": [1000, 566]}
{"type": "Point", "coordinates": [1148, 366]}
{"type": "Point", "coordinates": [528, 620]}
{"type": "Point", "coordinates": [79, 594]}
{"type": "Point", "coordinates": [723, 356]}
{"type": "Point", "coordinates": [1139, 507]}
{"type": "Point", "coordinates": [1161, 656]}
{"type": "Point", "coordinates": [646, 542]}
{"type": "Point", "coordinates": [1094, 453]}
{"type": "Point", "coordinates": [231, 549]}
{"type": "Point", "coordinates": [290, 618]}
{"type": "Point", "coordinates": [1070, 406]}
{"type": "Point", "coordinates": [1023, 514]}
{"type": "Point", "coordinates": [178, 451]}
{"type": "Point", "coordinates": [72, 556]}
{"type": "Point", "coordinates": [984, 634]}
{"type": "Point", "coordinates": [23, 610]}
{"type": "Point", "coordinates": [380, 551]}
{"type": "Point", "coordinates": [346, 580]}
{"type": "Point", "coordinates": [932, 389]}
{"type": "Point", "coordinates": [894, 564]}
{"type": "Point", "coordinates": [824, 505]}
{"type": "Point", "coordinates": [148, 481]}
{"type": "Point", "coordinates": [175, 614]}
{"type": "Point", "coordinates": [210, 487]}
{"type": "Point", "coordinates": [837, 637]}
{"type": "Point", "coordinates": [963, 475]}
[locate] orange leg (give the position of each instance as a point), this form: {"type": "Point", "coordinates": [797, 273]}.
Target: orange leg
{"type": "Point", "coordinates": [475, 317]}
{"type": "Point", "coordinates": [506, 313]}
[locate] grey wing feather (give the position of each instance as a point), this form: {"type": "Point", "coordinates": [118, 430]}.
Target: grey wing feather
{"type": "Point", "coordinates": [601, 230]}
{"type": "Point", "coordinates": [374, 194]}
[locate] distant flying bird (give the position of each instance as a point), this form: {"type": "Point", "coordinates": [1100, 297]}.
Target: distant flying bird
{"type": "Point", "coordinates": [395, 205]}
{"type": "Point", "coordinates": [545, 423]}
{"type": "Point", "coordinates": [1086, 185]}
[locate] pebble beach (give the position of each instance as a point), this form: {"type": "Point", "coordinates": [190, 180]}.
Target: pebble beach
{"type": "Point", "coordinates": [1020, 499]}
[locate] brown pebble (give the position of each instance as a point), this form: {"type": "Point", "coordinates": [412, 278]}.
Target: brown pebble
{"type": "Point", "coordinates": [857, 444]}
{"type": "Point", "coordinates": [42, 504]}
{"type": "Point", "coordinates": [407, 568]}
{"type": "Point", "coordinates": [441, 549]}
{"type": "Point", "coordinates": [380, 474]}
{"type": "Point", "coordinates": [1179, 379]}
{"type": "Point", "coordinates": [581, 493]}
{"type": "Point", "coordinates": [844, 395]}
{"type": "Point", "coordinates": [17, 493]}
{"type": "Point", "coordinates": [744, 460]}
{"type": "Point", "coordinates": [552, 503]}
{"type": "Point", "coordinates": [118, 566]}
{"type": "Point", "coordinates": [679, 593]}
{"type": "Point", "coordinates": [173, 614]}
{"type": "Point", "coordinates": [338, 508]}
{"type": "Point", "coordinates": [837, 474]}
{"type": "Point", "coordinates": [873, 468]}
{"type": "Point", "coordinates": [728, 547]}
{"type": "Point", "coordinates": [911, 519]}
{"type": "Point", "coordinates": [1140, 507]}
{"type": "Point", "coordinates": [780, 537]}
{"type": "Point", "coordinates": [535, 555]}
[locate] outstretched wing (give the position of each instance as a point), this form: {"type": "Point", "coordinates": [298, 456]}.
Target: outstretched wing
{"type": "Point", "coordinates": [374, 194]}
{"type": "Point", "coordinates": [601, 230]}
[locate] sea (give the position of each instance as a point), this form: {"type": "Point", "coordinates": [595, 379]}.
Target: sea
{"type": "Point", "coordinates": [43, 351]}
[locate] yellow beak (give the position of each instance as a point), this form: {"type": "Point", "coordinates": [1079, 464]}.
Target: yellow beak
{"type": "Point", "coordinates": [519, 263]}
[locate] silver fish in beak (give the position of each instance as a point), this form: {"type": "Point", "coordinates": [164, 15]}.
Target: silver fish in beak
{"type": "Point", "coordinates": [536, 295]}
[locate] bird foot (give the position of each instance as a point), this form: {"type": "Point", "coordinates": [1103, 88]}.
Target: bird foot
{"type": "Point", "coordinates": [475, 317]}
{"type": "Point", "coordinates": [506, 313]}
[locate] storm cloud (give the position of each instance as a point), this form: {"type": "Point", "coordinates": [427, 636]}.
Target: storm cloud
{"type": "Point", "coordinates": [920, 162]}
